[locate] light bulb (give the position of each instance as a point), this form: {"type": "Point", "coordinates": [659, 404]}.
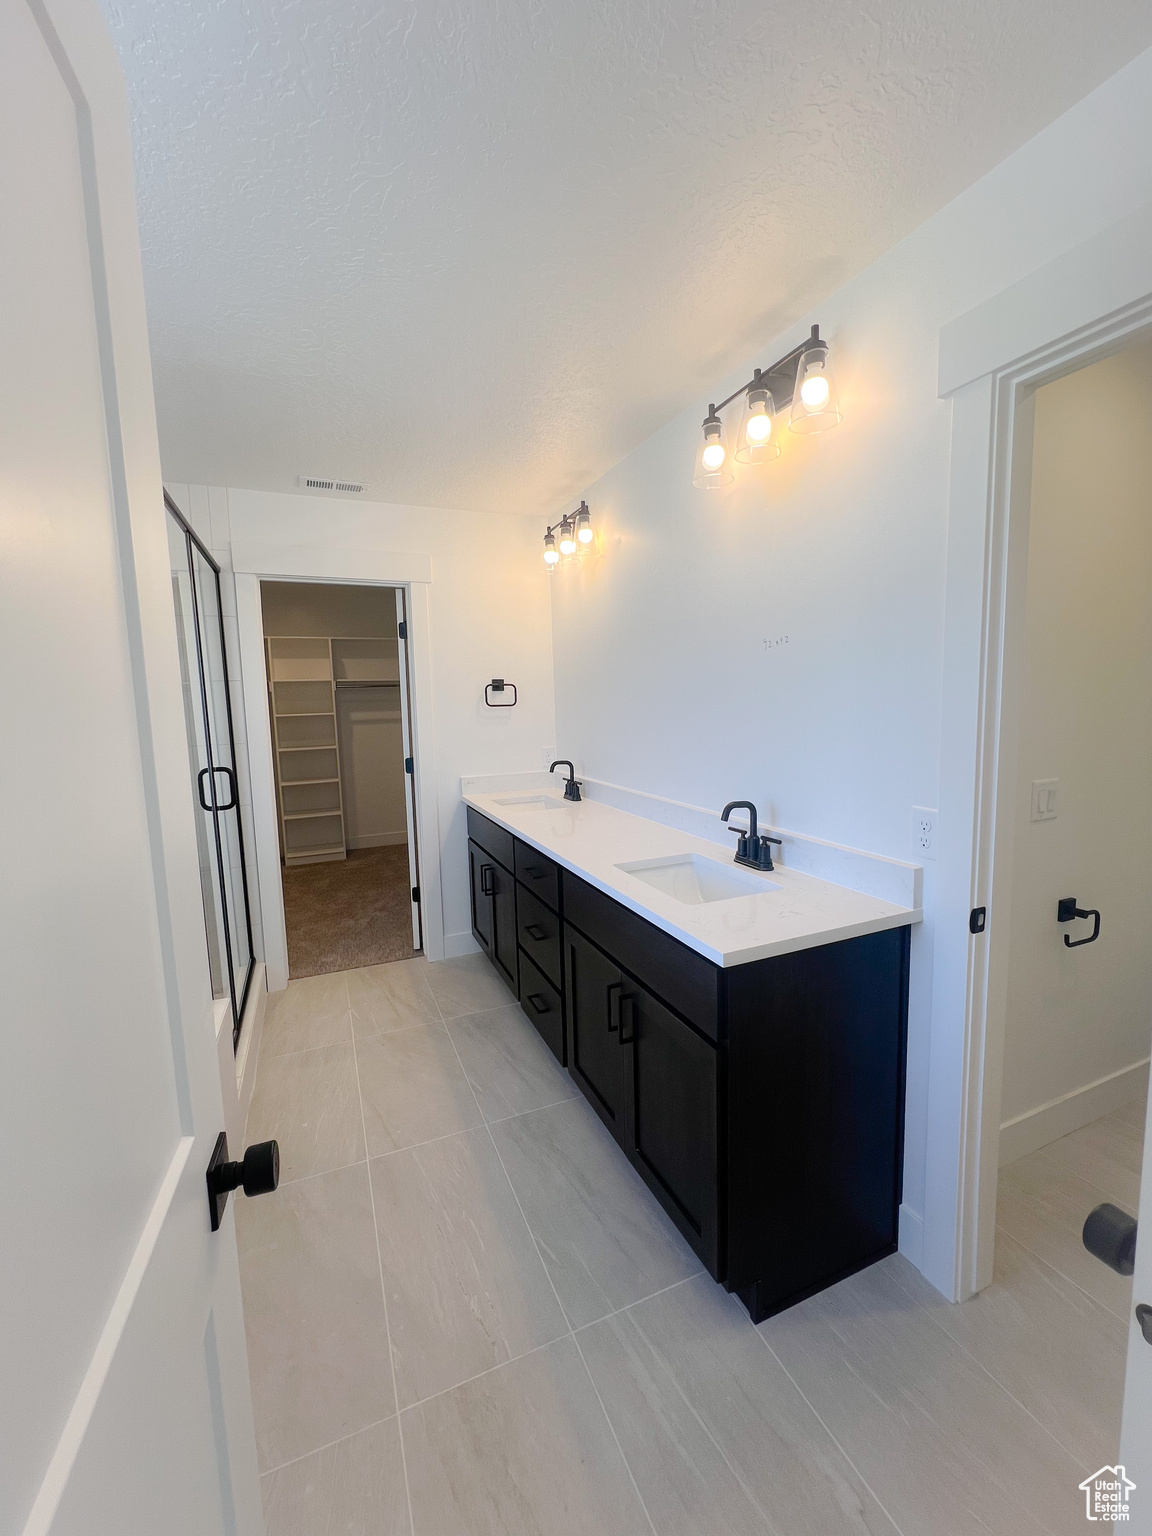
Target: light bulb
{"type": "Point", "coordinates": [567, 541]}
{"type": "Point", "coordinates": [759, 428]}
{"type": "Point", "coordinates": [814, 391]}
{"type": "Point", "coordinates": [551, 553]}
{"type": "Point", "coordinates": [584, 533]}
{"type": "Point", "coordinates": [713, 456]}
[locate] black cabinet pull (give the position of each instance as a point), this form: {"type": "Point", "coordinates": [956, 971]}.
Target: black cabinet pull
{"type": "Point", "coordinates": [539, 1002]}
{"type": "Point", "coordinates": [534, 931]}
{"type": "Point", "coordinates": [487, 879]}
{"type": "Point", "coordinates": [613, 991]}
{"type": "Point", "coordinates": [627, 1038]}
{"type": "Point", "coordinates": [537, 871]}
{"type": "Point", "coordinates": [1066, 910]}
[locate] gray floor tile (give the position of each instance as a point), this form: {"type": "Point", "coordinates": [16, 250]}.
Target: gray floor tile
{"type": "Point", "coordinates": [1043, 1206]}
{"type": "Point", "coordinates": [523, 1451]}
{"type": "Point", "coordinates": [1106, 1153]}
{"type": "Point", "coordinates": [509, 1066]}
{"type": "Point", "coordinates": [313, 1313]}
{"type": "Point", "coordinates": [353, 1488]}
{"type": "Point", "coordinates": [940, 1443]}
{"type": "Point", "coordinates": [717, 1437]}
{"type": "Point", "coordinates": [468, 984]}
{"type": "Point", "coordinates": [605, 1240]}
{"type": "Point", "coordinates": [466, 1288]}
{"type": "Point", "coordinates": [1052, 1347]}
{"type": "Point", "coordinates": [309, 1012]}
{"type": "Point", "coordinates": [413, 1088]}
{"type": "Point", "coordinates": [310, 1103]}
{"type": "Point", "coordinates": [393, 996]}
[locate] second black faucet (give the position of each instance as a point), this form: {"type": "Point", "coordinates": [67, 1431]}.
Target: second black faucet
{"type": "Point", "coordinates": [752, 849]}
{"type": "Point", "coordinates": [572, 783]}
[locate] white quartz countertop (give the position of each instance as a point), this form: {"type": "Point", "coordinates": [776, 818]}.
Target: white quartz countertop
{"type": "Point", "coordinates": [793, 911]}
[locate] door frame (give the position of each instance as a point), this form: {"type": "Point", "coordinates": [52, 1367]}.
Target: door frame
{"type": "Point", "coordinates": [1091, 302]}
{"type": "Point", "coordinates": [250, 626]}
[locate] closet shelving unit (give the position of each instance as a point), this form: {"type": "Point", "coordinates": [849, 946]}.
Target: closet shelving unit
{"type": "Point", "coordinates": [304, 673]}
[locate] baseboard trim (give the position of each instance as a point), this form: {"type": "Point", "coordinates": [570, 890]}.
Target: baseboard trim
{"type": "Point", "coordinates": [377, 840]}
{"type": "Point", "coordinates": [457, 944]}
{"type": "Point", "coordinates": [912, 1235]}
{"type": "Point", "coordinates": [1060, 1117]}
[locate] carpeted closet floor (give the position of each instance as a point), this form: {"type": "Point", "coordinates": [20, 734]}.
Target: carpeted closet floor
{"type": "Point", "coordinates": [353, 912]}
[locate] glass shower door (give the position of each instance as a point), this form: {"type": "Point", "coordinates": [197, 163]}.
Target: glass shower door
{"type": "Point", "coordinates": [212, 763]}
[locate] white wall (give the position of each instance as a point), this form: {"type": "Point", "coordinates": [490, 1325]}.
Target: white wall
{"type": "Point", "coordinates": [489, 617]}
{"type": "Point", "coordinates": [1078, 1016]}
{"type": "Point", "coordinates": [664, 680]}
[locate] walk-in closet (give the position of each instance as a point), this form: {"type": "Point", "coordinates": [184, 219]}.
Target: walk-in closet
{"type": "Point", "coordinates": [337, 702]}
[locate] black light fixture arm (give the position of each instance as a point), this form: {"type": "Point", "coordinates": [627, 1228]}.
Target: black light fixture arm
{"type": "Point", "coordinates": [779, 379]}
{"type": "Point", "coordinates": [569, 517]}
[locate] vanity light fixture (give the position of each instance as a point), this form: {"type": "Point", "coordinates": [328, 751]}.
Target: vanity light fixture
{"type": "Point", "coordinates": [576, 533]}
{"type": "Point", "coordinates": [802, 376]}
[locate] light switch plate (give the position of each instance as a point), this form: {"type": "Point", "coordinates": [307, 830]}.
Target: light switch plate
{"type": "Point", "coordinates": [924, 832]}
{"type": "Point", "coordinates": [1044, 799]}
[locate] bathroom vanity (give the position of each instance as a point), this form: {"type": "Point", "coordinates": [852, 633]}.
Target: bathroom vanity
{"type": "Point", "coordinates": [741, 1034]}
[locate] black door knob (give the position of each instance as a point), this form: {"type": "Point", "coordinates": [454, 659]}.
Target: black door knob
{"type": "Point", "coordinates": [1144, 1318]}
{"type": "Point", "coordinates": [258, 1174]}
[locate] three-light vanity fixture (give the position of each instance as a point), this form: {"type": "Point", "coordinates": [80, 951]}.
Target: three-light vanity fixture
{"type": "Point", "coordinates": [803, 375]}
{"type": "Point", "coordinates": [567, 537]}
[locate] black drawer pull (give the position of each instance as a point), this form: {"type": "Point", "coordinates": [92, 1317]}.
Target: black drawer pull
{"type": "Point", "coordinates": [487, 883]}
{"type": "Point", "coordinates": [539, 1002]}
{"type": "Point", "coordinates": [534, 931]}
{"type": "Point", "coordinates": [537, 871]}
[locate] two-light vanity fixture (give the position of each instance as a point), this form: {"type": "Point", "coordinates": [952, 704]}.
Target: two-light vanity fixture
{"type": "Point", "coordinates": [568, 537]}
{"type": "Point", "coordinates": [803, 376]}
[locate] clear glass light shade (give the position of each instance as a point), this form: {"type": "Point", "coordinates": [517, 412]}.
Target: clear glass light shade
{"type": "Point", "coordinates": [757, 442]}
{"type": "Point", "coordinates": [567, 537]}
{"type": "Point", "coordinates": [815, 406]}
{"type": "Point", "coordinates": [551, 553]}
{"type": "Point", "coordinates": [713, 461]}
{"type": "Point", "coordinates": [583, 526]}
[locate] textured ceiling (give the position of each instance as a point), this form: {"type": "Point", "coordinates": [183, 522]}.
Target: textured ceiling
{"type": "Point", "coordinates": [472, 253]}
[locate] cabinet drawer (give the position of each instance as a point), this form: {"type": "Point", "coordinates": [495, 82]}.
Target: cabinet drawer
{"type": "Point", "coordinates": [539, 874]}
{"type": "Point", "coordinates": [492, 839]}
{"type": "Point", "coordinates": [674, 972]}
{"type": "Point", "coordinates": [539, 933]}
{"type": "Point", "coordinates": [541, 1002]}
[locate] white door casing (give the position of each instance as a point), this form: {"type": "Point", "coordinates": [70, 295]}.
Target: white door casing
{"type": "Point", "coordinates": [124, 1400]}
{"type": "Point", "coordinates": [1087, 304]}
{"type": "Point", "coordinates": [407, 749]}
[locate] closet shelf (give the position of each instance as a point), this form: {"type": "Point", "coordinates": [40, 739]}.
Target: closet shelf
{"type": "Point", "coordinates": [292, 783]}
{"type": "Point", "coordinates": [310, 815]}
{"type": "Point", "coordinates": [303, 714]}
{"type": "Point", "coordinates": [302, 855]}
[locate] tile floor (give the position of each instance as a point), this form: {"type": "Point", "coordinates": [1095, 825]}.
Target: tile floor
{"type": "Point", "coordinates": [466, 1317]}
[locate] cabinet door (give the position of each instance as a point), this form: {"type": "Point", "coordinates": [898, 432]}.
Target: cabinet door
{"type": "Point", "coordinates": [670, 1131]}
{"type": "Point", "coordinates": [481, 870]}
{"type": "Point", "coordinates": [504, 949]}
{"type": "Point", "coordinates": [592, 986]}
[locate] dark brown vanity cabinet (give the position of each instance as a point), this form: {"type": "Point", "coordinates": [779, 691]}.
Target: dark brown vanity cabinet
{"type": "Point", "coordinates": [762, 1105]}
{"type": "Point", "coordinates": [493, 891]}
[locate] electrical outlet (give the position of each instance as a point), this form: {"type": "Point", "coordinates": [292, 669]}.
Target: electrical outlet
{"type": "Point", "coordinates": [924, 832]}
{"type": "Point", "coordinates": [1044, 799]}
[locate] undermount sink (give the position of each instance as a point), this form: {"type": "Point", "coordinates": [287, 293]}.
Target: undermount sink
{"type": "Point", "coordinates": [693, 879]}
{"type": "Point", "coordinates": [542, 802]}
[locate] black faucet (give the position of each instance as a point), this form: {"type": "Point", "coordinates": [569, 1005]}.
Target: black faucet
{"type": "Point", "coordinates": [572, 783]}
{"type": "Point", "coordinates": [752, 849]}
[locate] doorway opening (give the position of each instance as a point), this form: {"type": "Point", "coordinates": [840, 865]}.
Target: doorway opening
{"type": "Point", "coordinates": [1078, 819]}
{"type": "Point", "coordinates": [336, 659]}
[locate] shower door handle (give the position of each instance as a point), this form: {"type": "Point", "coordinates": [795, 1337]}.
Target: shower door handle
{"type": "Point", "coordinates": [233, 789]}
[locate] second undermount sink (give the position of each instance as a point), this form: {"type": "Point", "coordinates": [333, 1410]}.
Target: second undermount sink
{"type": "Point", "coordinates": [693, 879]}
{"type": "Point", "coordinates": [541, 802]}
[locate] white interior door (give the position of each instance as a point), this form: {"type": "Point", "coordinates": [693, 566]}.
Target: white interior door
{"type": "Point", "coordinates": [124, 1402]}
{"type": "Point", "coordinates": [409, 762]}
